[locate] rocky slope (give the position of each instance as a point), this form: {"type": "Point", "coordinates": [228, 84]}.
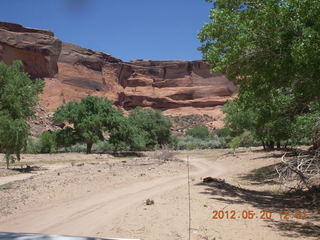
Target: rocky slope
{"type": "Point", "coordinates": [72, 72]}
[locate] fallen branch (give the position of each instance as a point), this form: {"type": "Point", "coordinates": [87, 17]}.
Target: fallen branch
{"type": "Point", "coordinates": [302, 168]}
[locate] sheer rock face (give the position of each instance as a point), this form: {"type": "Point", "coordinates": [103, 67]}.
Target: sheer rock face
{"type": "Point", "coordinates": [176, 87]}
{"type": "Point", "coordinates": [174, 84]}
{"type": "Point", "coordinates": [38, 49]}
{"type": "Point", "coordinates": [156, 84]}
{"type": "Point", "coordinates": [73, 54]}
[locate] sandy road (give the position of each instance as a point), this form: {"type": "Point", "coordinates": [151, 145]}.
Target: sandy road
{"type": "Point", "coordinates": [91, 213]}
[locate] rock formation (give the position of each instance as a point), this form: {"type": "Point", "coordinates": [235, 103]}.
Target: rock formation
{"type": "Point", "coordinates": [176, 87]}
{"type": "Point", "coordinates": [38, 49]}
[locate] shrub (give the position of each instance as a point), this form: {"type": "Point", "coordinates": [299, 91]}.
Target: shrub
{"type": "Point", "coordinates": [223, 132]}
{"type": "Point", "coordinates": [191, 143]}
{"type": "Point", "coordinates": [47, 142]}
{"type": "Point", "coordinates": [32, 146]}
{"type": "Point", "coordinates": [235, 143]}
{"type": "Point", "coordinates": [155, 126]}
{"type": "Point", "coordinates": [126, 136]}
{"type": "Point", "coordinates": [245, 139]}
{"type": "Point", "coordinates": [102, 146]}
{"type": "Point", "coordinates": [201, 132]}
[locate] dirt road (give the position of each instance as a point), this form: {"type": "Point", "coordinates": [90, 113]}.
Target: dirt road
{"type": "Point", "coordinates": [104, 197]}
{"type": "Point", "coordinates": [86, 216]}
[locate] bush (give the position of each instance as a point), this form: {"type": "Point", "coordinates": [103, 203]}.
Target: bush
{"type": "Point", "coordinates": [102, 146]}
{"type": "Point", "coordinates": [245, 140]}
{"type": "Point", "coordinates": [223, 132]}
{"type": "Point", "coordinates": [201, 132]}
{"type": "Point", "coordinates": [47, 142]}
{"type": "Point", "coordinates": [235, 143]}
{"type": "Point", "coordinates": [126, 136]}
{"type": "Point", "coordinates": [32, 146]}
{"type": "Point", "coordinates": [191, 143]}
{"type": "Point", "coordinates": [155, 126]}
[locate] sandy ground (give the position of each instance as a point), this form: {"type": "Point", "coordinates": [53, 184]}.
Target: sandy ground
{"type": "Point", "coordinates": [103, 196]}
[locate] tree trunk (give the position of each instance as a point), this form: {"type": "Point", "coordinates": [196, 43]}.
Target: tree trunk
{"type": "Point", "coordinates": [272, 145]}
{"type": "Point", "coordinates": [278, 145]}
{"type": "Point", "coordinates": [7, 157]}
{"type": "Point", "coordinates": [264, 145]}
{"type": "Point", "coordinates": [18, 156]}
{"type": "Point", "coordinates": [89, 147]}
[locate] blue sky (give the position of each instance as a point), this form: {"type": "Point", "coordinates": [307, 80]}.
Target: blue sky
{"type": "Point", "coordinates": [127, 29]}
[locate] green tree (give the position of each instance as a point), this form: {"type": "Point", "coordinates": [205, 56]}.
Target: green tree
{"type": "Point", "coordinates": [239, 118]}
{"type": "Point", "coordinates": [126, 136]}
{"type": "Point", "coordinates": [271, 49]}
{"type": "Point", "coordinates": [270, 121]}
{"type": "Point", "coordinates": [154, 124]}
{"type": "Point", "coordinates": [201, 132]}
{"type": "Point", "coordinates": [47, 142]}
{"type": "Point", "coordinates": [88, 120]}
{"type": "Point", "coordinates": [18, 98]}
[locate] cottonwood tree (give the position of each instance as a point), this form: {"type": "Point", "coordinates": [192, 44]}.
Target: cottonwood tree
{"type": "Point", "coordinates": [18, 98]}
{"type": "Point", "coordinates": [155, 126]}
{"type": "Point", "coordinates": [271, 49]}
{"type": "Point", "coordinates": [86, 121]}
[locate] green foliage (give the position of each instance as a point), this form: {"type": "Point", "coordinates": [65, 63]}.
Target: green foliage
{"type": "Point", "coordinates": [126, 136]}
{"type": "Point", "coordinates": [103, 146]}
{"type": "Point", "coordinates": [191, 143]}
{"type": "Point", "coordinates": [32, 146]}
{"type": "Point", "coordinates": [90, 118]}
{"type": "Point", "coordinates": [13, 136]}
{"type": "Point", "coordinates": [238, 118]}
{"type": "Point", "coordinates": [47, 142]}
{"type": "Point", "coordinates": [201, 132]}
{"type": "Point", "coordinates": [66, 137]}
{"type": "Point", "coordinates": [155, 126]}
{"type": "Point", "coordinates": [18, 97]}
{"type": "Point", "coordinates": [245, 140]}
{"type": "Point", "coordinates": [270, 44]}
{"type": "Point", "coordinates": [271, 50]}
{"type": "Point", "coordinates": [235, 143]}
{"type": "Point", "coordinates": [223, 132]}
{"type": "Point", "coordinates": [305, 125]}
{"type": "Point", "coordinates": [93, 117]}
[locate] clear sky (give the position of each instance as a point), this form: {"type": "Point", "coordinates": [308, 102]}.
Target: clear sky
{"type": "Point", "coordinates": [127, 29]}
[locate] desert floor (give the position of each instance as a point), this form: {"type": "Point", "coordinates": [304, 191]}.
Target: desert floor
{"type": "Point", "coordinates": [105, 196]}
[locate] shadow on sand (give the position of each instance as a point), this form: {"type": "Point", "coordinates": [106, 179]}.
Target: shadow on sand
{"type": "Point", "coordinates": [222, 191]}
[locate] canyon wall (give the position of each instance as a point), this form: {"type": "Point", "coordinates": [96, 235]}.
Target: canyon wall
{"type": "Point", "coordinates": [38, 49]}
{"type": "Point", "coordinates": [72, 72]}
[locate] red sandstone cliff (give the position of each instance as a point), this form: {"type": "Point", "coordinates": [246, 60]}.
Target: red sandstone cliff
{"type": "Point", "coordinates": [72, 72]}
{"type": "Point", "coordinates": [38, 49]}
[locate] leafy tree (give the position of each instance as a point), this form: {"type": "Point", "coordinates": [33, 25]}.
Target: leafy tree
{"type": "Point", "coordinates": [154, 124]}
{"type": "Point", "coordinates": [201, 132]}
{"type": "Point", "coordinates": [306, 126]}
{"type": "Point", "coordinates": [18, 98]}
{"type": "Point", "coordinates": [238, 118]}
{"type": "Point", "coordinates": [90, 118]}
{"type": "Point", "coordinates": [47, 142]}
{"type": "Point", "coordinates": [271, 50]}
{"type": "Point", "coordinates": [66, 137]}
{"type": "Point", "coordinates": [269, 121]}
{"type": "Point", "coordinates": [126, 136]}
